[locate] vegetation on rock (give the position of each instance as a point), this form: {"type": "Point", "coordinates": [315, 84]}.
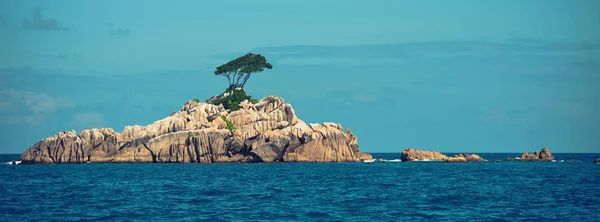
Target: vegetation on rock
{"type": "Point", "coordinates": [230, 125]}
{"type": "Point", "coordinates": [196, 100]}
{"type": "Point", "coordinates": [234, 98]}
{"type": "Point", "coordinates": [237, 72]}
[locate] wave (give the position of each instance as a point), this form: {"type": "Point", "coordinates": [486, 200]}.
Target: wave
{"type": "Point", "coordinates": [437, 160]}
{"type": "Point", "coordinates": [15, 162]}
{"type": "Point", "coordinates": [382, 160]}
{"type": "Point", "coordinates": [427, 160]}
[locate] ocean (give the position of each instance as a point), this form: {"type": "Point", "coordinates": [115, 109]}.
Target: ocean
{"type": "Point", "coordinates": [380, 191]}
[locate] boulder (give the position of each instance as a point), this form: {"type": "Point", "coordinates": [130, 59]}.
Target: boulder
{"type": "Point", "coordinates": [364, 156]}
{"type": "Point", "coordinates": [545, 154]}
{"type": "Point", "coordinates": [410, 154]}
{"type": "Point", "coordinates": [469, 157]}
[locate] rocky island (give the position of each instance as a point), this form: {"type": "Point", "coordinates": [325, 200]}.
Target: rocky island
{"type": "Point", "coordinates": [410, 154]}
{"type": "Point", "coordinates": [231, 127]}
{"type": "Point", "coordinates": [267, 131]}
{"type": "Point", "coordinates": [542, 155]}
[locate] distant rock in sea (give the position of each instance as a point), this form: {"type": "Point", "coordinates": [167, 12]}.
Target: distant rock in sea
{"type": "Point", "coordinates": [597, 161]}
{"type": "Point", "coordinates": [410, 154]}
{"type": "Point", "coordinates": [268, 131]}
{"type": "Point", "coordinates": [543, 155]}
{"type": "Point", "coordinates": [469, 157]}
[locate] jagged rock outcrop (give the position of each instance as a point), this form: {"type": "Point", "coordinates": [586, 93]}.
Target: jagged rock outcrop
{"type": "Point", "coordinates": [365, 156]}
{"type": "Point", "coordinates": [469, 157]}
{"type": "Point", "coordinates": [268, 131]}
{"type": "Point", "coordinates": [542, 155]}
{"type": "Point", "coordinates": [410, 154]}
{"type": "Point", "coordinates": [597, 161]}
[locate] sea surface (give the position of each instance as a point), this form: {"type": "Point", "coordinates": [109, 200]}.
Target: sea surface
{"type": "Point", "coordinates": [380, 191]}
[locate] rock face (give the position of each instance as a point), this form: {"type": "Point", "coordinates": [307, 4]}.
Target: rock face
{"type": "Point", "coordinates": [542, 155]}
{"type": "Point", "coordinates": [456, 160]}
{"type": "Point", "coordinates": [268, 131]}
{"type": "Point", "coordinates": [469, 157]}
{"type": "Point", "coordinates": [410, 154]}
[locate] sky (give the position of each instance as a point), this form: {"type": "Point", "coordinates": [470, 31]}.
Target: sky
{"type": "Point", "coordinates": [450, 76]}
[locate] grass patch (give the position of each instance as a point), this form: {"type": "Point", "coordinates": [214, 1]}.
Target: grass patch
{"type": "Point", "coordinates": [230, 125]}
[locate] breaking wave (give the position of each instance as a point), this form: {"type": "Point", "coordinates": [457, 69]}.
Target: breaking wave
{"type": "Point", "coordinates": [15, 162]}
{"type": "Point", "coordinates": [382, 160]}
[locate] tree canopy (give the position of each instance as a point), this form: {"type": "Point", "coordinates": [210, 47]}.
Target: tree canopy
{"type": "Point", "coordinates": [239, 70]}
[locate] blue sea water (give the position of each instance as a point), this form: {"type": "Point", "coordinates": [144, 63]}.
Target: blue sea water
{"type": "Point", "coordinates": [485, 191]}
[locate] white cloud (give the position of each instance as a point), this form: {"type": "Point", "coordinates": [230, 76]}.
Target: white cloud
{"type": "Point", "coordinates": [35, 102]}
{"type": "Point", "coordinates": [31, 108]}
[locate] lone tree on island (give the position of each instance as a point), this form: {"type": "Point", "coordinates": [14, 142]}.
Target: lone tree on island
{"type": "Point", "coordinates": [239, 70]}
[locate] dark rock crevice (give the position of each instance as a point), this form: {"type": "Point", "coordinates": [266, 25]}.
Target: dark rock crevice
{"type": "Point", "coordinates": [151, 153]}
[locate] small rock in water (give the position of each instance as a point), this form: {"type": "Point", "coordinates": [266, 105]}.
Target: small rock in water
{"type": "Point", "coordinates": [542, 155]}
{"type": "Point", "coordinates": [410, 154]}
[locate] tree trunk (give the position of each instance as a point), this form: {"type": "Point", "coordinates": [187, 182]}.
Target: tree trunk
{"type": "Point", "coordinates": [245, 79]}
{"type": "Point", "coordinates": [237, 82]}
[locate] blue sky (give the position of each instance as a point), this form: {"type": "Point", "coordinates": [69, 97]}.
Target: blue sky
{"type": "Point", "coordinates": [451, 76]}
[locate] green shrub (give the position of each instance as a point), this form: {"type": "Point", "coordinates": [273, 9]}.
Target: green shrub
{"type": "Point", "coordinates": [233, 100]}
{"type": "Point", "coordinates": [230, 125]}
{"type": "Point", "coordinates": [196, 100]}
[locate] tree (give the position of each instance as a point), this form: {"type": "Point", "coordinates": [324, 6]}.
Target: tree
{"type": "Point", "coordinates": [239, 70]}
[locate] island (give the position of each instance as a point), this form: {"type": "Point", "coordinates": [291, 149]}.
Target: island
{"type": "Point", "coordinates": [267, 131]}
{"type": "Point", "coordinates": [410, 154]}
{"type": "Point", "coordinates": [230, 127]}
{"type": "Point", "coordinates": [542, 155]}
